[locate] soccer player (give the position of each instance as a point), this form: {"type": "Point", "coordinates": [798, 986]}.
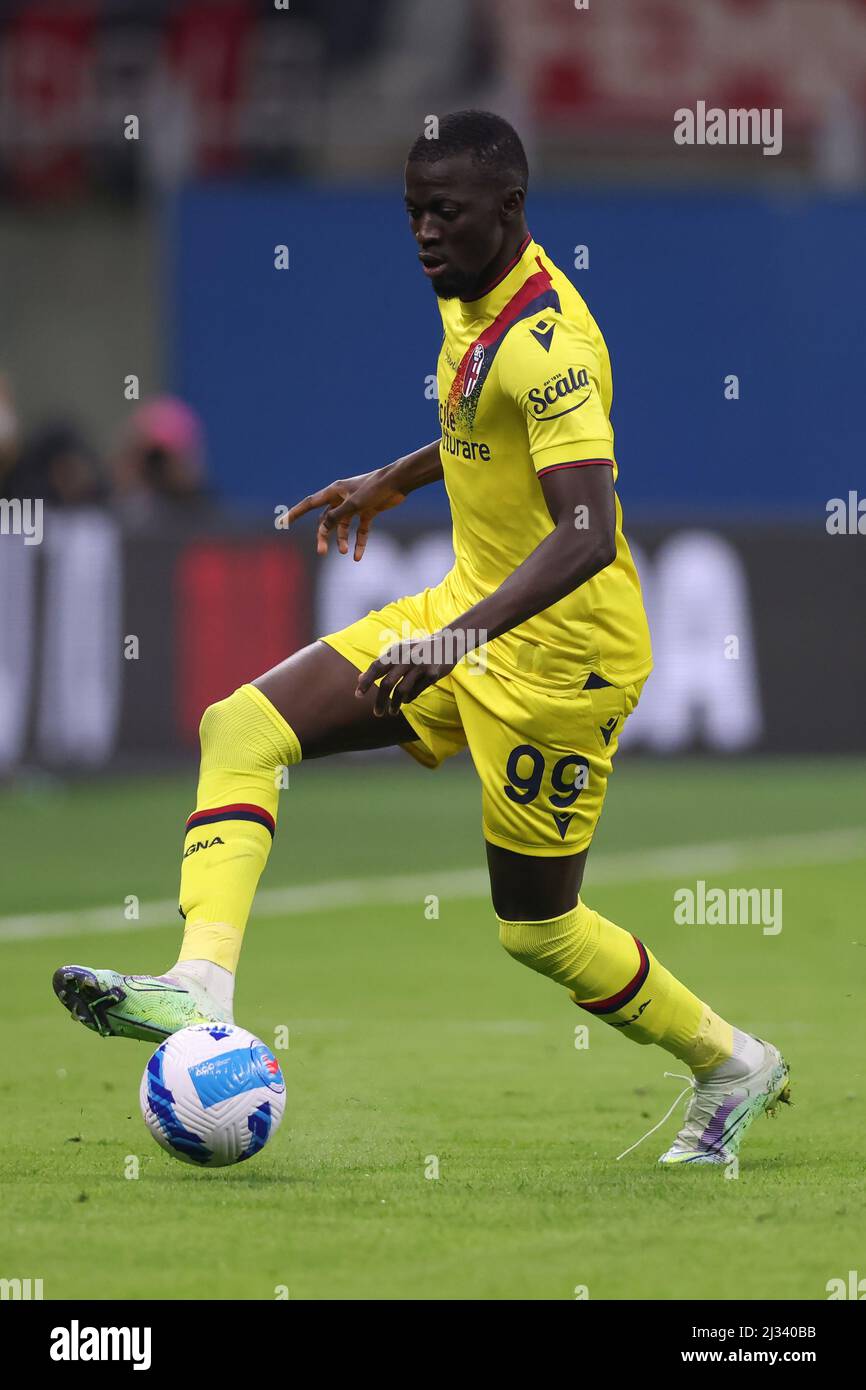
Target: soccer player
{"type": "Point", "coordinates": [532, 651]}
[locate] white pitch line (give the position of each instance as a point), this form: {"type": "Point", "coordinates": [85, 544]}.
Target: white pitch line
{"type": "Point", "coordinates": [635, 866]}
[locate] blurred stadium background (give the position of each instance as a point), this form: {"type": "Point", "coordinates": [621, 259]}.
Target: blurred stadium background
{"type": "Point", "coordinates": [167, 390]}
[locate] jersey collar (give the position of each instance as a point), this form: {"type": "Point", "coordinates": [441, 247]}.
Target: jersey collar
{"type": "Point", "coordinates": [497, 294]}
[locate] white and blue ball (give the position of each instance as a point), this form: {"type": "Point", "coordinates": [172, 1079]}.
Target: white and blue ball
{"type": "Point", "coordinates": [212, 1095]}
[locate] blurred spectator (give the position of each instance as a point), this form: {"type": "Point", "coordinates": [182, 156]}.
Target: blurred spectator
{"type": "Point", "coordinates": [159, 470]}
{"type": "Point", "coordinates": [58, 465]}
{"type": "Point", "coordinates": [351, 31]}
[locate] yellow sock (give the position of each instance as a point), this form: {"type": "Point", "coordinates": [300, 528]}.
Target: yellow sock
{"type": "Point", "coordinates": [245, 747]}
{"type": "Point", "coordinates": [612, 975]}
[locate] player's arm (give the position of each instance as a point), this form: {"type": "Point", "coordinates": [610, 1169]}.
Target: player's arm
{"type": "Point", "coordinates": [572, 454]}
{"type": "Point", "coordinates": [581, 503]}
{"type": "Point", "coordinates": [365, 496]}
{"type": "Point", "coordinates": [418, 469]}
{"type": "Point", "coordinates": [566, 558]}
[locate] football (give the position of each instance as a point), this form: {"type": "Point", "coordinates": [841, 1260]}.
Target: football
{"type": "Point", "coordinates": [212, 1095]}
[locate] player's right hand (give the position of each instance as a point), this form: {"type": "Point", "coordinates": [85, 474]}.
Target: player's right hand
{"type": "Point", "coordinates": [362, 497]}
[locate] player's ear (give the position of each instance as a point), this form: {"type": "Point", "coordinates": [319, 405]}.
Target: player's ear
{"type": "Point", "coordinates": [513, 203]}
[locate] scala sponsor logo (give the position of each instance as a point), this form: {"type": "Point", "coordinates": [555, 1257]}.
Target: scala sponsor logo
{"type": "Point", "coordinates": [473, 370]}
{"type": "Point", "coordinates": [77, 1343]}
{"type": "Point", "coordinates": [202, 844]}
{"type": "Point", "coordinates": [557, 389]}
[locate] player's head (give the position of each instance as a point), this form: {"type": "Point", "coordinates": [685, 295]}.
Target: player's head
{"type": "Point", "coordinates": [465, 192]}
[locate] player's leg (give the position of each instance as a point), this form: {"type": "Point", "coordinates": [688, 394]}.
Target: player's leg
{"type": "Point", "coordinates": [314, 692]}
{"type": "Point", "coordinates": [524, 888]}
{"type": "Point", "coordinates": [546, 925]}
{"type": "Point", "coordinates": [613, 976]}
{"type": "Point", "coordinates": [305, 706]}
{"type": "Point", "coordinates": [539, 792]}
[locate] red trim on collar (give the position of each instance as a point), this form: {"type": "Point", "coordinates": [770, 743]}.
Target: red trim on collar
{"type": "Point", "coordinates": [502, 274]}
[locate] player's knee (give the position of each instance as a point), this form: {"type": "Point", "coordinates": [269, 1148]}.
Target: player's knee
{"type": "Point", "coordinates": [517, 939]}
{"type": "Point", "coordinates": [553, 946]}
{"type": "Point", "coordinates": [216, 728]}
{"type": "Point", "coordinates": [240, 733]}
{"type": "Point", "coordinates": [210, 721]}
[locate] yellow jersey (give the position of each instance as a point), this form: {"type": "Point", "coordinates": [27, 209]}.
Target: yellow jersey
{"type": "Point", "coordinates": [524, 386]}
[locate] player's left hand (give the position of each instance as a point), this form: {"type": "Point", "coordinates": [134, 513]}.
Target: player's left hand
{"type": "Point", "coordinates": [403, 672]}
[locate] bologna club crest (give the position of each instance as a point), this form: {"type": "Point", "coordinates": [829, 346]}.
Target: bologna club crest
{"type": "Point", "coordinates": [473, 370]}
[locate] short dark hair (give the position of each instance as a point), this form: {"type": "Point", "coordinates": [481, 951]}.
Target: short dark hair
{"type": "Point", "coordinates": [492, 142]}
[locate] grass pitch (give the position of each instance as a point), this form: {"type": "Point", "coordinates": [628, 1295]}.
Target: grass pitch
{"type": "Point", "coordinates": [417, 1046]}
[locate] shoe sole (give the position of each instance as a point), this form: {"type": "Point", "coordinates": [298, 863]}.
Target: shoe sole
{"type": "Point", "coordinates": [79, 991]}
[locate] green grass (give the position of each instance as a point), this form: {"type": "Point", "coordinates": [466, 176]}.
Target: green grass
{"type": "Point", "coordinates": [411, 1037]}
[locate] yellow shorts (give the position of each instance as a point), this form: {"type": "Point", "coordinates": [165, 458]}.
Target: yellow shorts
{"type": "Point", "coordinates": [543, 758]}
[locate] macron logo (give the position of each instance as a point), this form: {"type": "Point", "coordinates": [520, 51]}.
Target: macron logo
{"type": "Point", "coordinates": [76, 1343]}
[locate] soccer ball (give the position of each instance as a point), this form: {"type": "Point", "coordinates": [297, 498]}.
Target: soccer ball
{"type": "Point", "coordinates": [212, 1095]}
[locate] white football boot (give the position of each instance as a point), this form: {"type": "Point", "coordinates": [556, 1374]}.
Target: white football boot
{"type": "Point", "coordinates": [723, 1105]}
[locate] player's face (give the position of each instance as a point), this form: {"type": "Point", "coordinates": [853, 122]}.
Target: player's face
{"type": "Point", "coordinates": [462, 220]}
